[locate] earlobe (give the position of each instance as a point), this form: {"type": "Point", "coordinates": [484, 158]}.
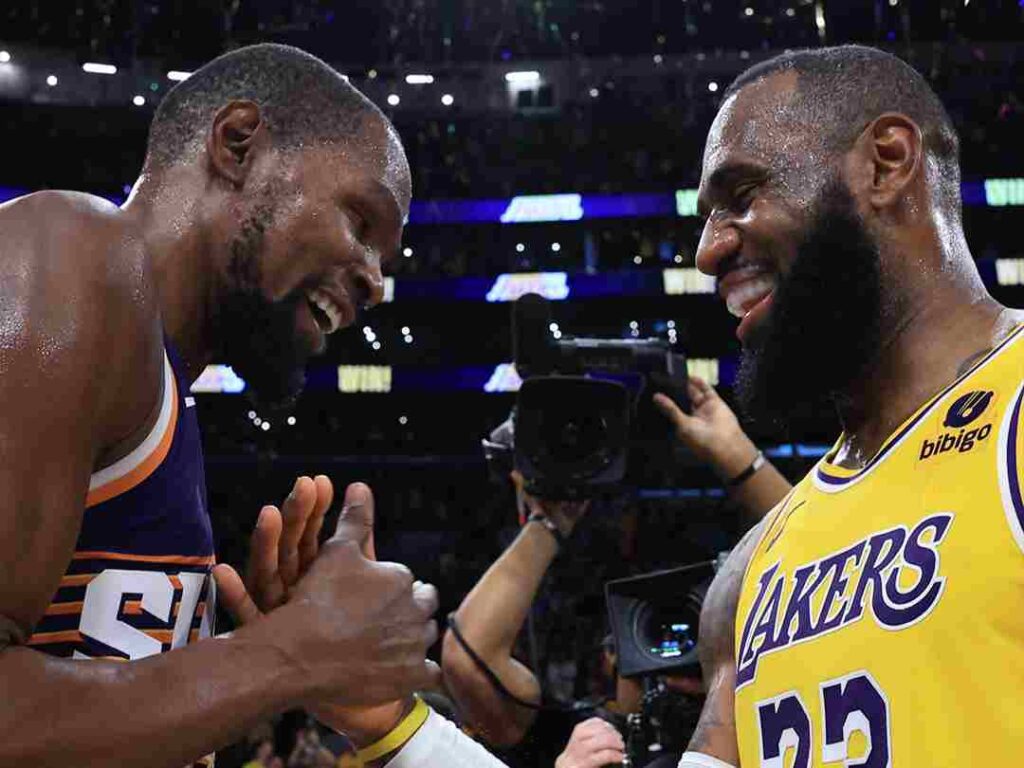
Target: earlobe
{"type": "Point", "coordinates": [897, 153]}
{"type": "Point", "coordinates": [233, 140]}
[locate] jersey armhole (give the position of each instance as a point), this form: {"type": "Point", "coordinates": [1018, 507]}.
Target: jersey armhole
{"type": "Point", "coordinates": [1009, 458]}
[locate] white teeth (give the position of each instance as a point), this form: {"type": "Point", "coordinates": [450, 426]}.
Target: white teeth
{"type": "Point", "coordinates": [329, 308]}
{"type": "Point", "coordinates": [747, 293]}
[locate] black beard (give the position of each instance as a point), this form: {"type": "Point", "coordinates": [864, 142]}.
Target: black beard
{"type": "Point", "coordinates": [824, 326]}
{"type": "Point", "coordinates": [256, 336]}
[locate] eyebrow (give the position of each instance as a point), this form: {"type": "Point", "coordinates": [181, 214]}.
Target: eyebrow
{"type": "Point", "coordinates": [723, 177]}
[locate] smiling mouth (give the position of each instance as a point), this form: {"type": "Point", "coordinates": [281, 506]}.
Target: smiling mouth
{"type": "Point", "coordinates": [746, 295]}
{"type": "Point", "coordinates": [329, 315]}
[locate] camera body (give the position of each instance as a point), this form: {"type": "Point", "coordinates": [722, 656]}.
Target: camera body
{"type": "Point", "coordinates": [575, 416]}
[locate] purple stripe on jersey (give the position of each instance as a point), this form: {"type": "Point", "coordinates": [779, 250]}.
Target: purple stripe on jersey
{"type": "Point", "coordinates": [1012, 477]}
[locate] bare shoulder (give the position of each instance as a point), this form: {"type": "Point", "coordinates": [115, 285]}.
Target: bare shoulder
{"type": "Point", "coordinates": [77, 245]}
{"type": "Point", "coordinates": [75, 284]}
{"type": "Point", "coordinates": [718, 615]}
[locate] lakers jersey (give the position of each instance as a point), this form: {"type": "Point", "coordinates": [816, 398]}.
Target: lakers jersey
{"type": "Point", "coordinates": [881, 618]}
{"type": "Point", "coordinates": [138, 582]}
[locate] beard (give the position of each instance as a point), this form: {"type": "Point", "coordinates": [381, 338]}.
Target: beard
{"type": "Point", "coordinates": [257, 336]}
{"type": "Point", "coordinates": [824, 326]}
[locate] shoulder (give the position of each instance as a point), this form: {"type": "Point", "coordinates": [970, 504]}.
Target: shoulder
{"type": "Point", "coordinates": [76, 246]}
{"type": "Point", "coordinates": [77, 296]}
{"type": "Point", "coordinates": [718, 614]}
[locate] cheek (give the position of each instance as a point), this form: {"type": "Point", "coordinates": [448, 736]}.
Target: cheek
{"type": "Point", "coordinates": [775, 231]}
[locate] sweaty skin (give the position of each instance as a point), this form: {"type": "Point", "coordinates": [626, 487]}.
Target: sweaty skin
{"type": "Point", "coordinates": [87, 292]}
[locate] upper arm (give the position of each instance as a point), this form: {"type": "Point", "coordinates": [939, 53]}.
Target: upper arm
{"type": "Point", "coordinates": [715, 734]}
{"type": "Point", "coordinates": [65, 307]}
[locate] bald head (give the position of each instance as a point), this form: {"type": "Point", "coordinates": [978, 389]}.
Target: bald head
{"type": "Point", "coordinates": [302, 100]}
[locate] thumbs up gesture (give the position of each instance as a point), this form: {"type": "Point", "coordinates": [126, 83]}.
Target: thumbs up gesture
{"type": "Point", "coordinates": [357, 629]}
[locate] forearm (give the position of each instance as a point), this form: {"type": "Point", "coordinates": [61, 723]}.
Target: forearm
{"type": "Point", "coordinates": [167, 710]}
{"type": "Point", "coordinates": [494, 611]}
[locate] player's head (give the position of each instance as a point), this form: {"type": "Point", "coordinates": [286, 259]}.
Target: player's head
{"type": "Point", "coordinates": [303, 187]}
{"type": "Point", "coordinates": [822, 171]}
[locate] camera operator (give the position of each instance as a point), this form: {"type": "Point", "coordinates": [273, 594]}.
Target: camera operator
{"type": "Point", "coordinates": [491, 616]}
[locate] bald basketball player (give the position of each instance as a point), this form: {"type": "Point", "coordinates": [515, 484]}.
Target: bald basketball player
{"type": "Point", "coordinates": [875, 617]}
{"type": "Point", "coordinates": [271, 194]}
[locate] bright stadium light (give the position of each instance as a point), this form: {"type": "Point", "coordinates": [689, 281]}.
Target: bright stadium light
{"type": "Point", "coordinates": [531, 77]}
{"type": "Point", "coordinates": [139, 100]}
{"type": "Point", "coordinates": [394, 100]}
{"type": "Point", "coordinates": [713, 86]}
{"type": "Point", "coordinates": [51, 80]}
{"type": "Point", "coordinates": [447, 99]}
{"type": "Point", "coordinates": [177, 76]}
{"type": "Point", "coordinates": [99, 69]}
{"type": "Point", "coordinates": [5, 57]}
{"type": "Point", "coordinates": [419, 79]}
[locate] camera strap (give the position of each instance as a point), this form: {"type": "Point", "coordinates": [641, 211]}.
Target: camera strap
{"type": "Point", "coordinates": [494, 680]}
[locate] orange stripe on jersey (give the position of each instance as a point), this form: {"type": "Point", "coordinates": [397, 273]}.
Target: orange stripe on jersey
{"type": "Point", "coordinates": [175, 559]}
{"type": "Point", "coordinates": [163, 635]}
{"type": "Point", "coordinates": [78, 580]}
{"type": "Point", "coordinates": [62, 609]}
{"type": "Point", "coordinates": [146, 466]}
{"type": "Point", "coordinates": [70, 636]}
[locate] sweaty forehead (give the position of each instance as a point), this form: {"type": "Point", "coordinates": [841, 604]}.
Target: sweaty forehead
{"type": "Point", "coordinates": [758, 124]}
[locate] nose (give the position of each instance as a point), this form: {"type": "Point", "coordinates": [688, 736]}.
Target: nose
{"type": "Point", "coordinates": [368, 282]}
{"type": "Point", "coordinates": [718, 242]}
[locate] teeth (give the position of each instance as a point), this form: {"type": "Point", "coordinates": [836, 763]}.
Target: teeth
{"type": "Point", "coordinates": [329, 308]}
{"type": "Point", "coordinates": [746, 294]}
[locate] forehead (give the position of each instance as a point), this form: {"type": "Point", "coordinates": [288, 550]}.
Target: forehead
{"type": "Point", "coordinates": [374, 161]}
{"type": "Point", "coordinates": [759, 124]}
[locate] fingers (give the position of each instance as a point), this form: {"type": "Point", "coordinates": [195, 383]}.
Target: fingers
{"type": "Point", "coordinates": [309, 544]}
{"type": "Point", "coordinates": [699, 391]}
{"type": "Point", "coordinates": [594, 743]}
{"type": "Point", "coordinates": [296, 511]}
{"type": "Point", "coordinates": [355, 523]}
{"type": "Point", "coordinates": [232, 594]}
{"type": "Point", "coordinates": [603, 758]}
{"type": "Point", "coordinates": [261, 570]}
{"type": "Point", "coordinates": [670, 410]}
{"type": "Point", "coordinates": [426, 598]}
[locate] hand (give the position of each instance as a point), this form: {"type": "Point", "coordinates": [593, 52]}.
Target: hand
{"type": "Point", "coordinates": [711, 432]}
{"type": "Point", "coordinates": [358, 628]}
{"type": "Point", "coordinates": [593, 744]}
{"type": "Point", "coordinates": [285, 541]}
{"type": "Point", "coordinates": [564, 514]}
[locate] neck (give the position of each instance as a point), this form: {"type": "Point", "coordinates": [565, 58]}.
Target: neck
{"type": "Point", "coordinates": [173, 231]}
{"type": "Point", "coordinates": [944, 323]}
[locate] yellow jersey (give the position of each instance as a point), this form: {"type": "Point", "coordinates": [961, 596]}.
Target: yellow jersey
{"type": "Point", "coordinates": [881, 617]}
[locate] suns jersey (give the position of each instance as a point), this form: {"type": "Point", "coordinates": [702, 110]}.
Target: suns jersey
{"type": "Point", "coordinates": [139, 581]}
{"type": "Point", "coordinates": [881, 617]}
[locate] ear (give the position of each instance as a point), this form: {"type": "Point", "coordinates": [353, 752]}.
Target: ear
{"type": "Point", "coordinates": [237, 135]}
{"type": "Point", "coordinates": [895, 151]}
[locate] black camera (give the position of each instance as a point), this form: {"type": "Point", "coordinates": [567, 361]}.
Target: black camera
{"type": "Point", "coordinates": [655, 619]}
{"type": "Point", "coordinates": [576, 414]}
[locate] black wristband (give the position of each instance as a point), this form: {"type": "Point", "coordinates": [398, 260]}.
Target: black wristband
{"type": "Point", "coordinates": [746, 474]}
{"type": "Point", "coordinates": [549, 524]}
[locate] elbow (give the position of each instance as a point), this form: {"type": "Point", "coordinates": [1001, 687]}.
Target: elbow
{"type": "Point", "coordinates": [496, 720]}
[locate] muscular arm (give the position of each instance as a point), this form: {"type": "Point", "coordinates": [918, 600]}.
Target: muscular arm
{"type": "Point", "coordinates": [490, 618]}
{"type": "Point", "coordinates": [716, 731]}
{"type": "Point", "coordinates": [79, 370]}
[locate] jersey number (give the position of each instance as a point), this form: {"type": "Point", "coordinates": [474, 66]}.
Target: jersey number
{"type": "Point", "coordinates": [850, 704]}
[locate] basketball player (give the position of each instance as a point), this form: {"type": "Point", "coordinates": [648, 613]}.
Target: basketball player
{"type": "Point", "coordinates": [875, 617]}
{"type": "Point", "coordinates": [272, 191]}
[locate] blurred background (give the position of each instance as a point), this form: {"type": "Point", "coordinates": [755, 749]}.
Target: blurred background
{"type": "Point", "coordinates": [555, 148]}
